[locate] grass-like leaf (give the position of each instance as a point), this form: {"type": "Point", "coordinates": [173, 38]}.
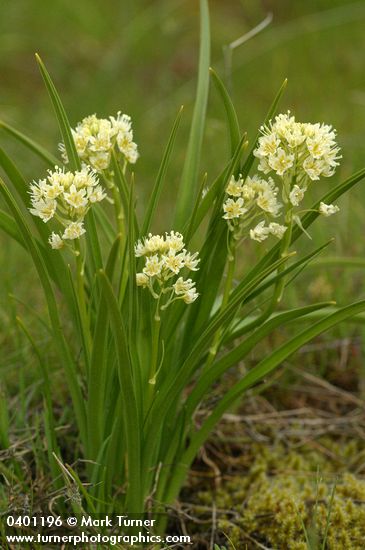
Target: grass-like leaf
{"type": "Point", "coordinates": [190, 174]}
{"type": "Point", "coordinates": [253, 377]}
{"type": "Point", "coordinates": [157, 189]}
{"type": "Point", "coordinates": [62, 119]}
{"type": "Point", "coordinates": [232, 119]}
{"type": "Point", "coordinates": [32, 145]}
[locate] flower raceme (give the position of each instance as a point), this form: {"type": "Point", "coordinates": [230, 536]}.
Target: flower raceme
{"type": "Point", "coordinates": [304, 150]}
{"type": "Point", "coordinates": [67, 197]}
{"type": "Point", "coordinates": [96, 138]}
{"type": "Point", "coordinates": [296, 154]}
{"type": "Point", "coordinates": [252, 198]}
{"type": "Point", "coordinates": [166, 259]}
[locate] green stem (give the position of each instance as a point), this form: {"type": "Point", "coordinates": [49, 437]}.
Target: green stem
{"type": "Point", "coordinates": [156, 326]}
{"type": "Point", "coordinates": [118, 210]}
{"type": "Point", "coordinates": [84, 318]}
{"type": "Point", "coordinates": [227, 289]}
{"type": "Point", "coordinates": [280, 285]}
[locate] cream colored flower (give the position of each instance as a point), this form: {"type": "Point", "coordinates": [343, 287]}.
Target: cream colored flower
{"type": "Point", "coordinates": [268, 145]}
{"type": "Point", "coordinates": [182, 287]}
{"type": "Point", "coordinates": [190, 296]}
{"type": "Point", "coordinates": [267, 201]}
{"type": "Point", "coordinates": [281, 161]}
{"type": "Point", "coordinates": [142, 280]}
{"type": "Point", "coordinates": [44, 209]}
{"type": "Point", "coordinates": [328, 209]}
{"type": "Point", "coordinates": [174, 241]}
{"type": "Point", "coordinates": [96, 138]}
{"type": "Point", "coordinates": [296, 195]}
{"type": "Point", "coordinates": [153, 266]}
{"type": "Point", "coordinates": [191, 261]}
{"type": "Point", "coordinates": [234, 188]}
{"type": "Point", "coordinates": [174, 262]}
{"type": "Point", "coordinates": [73, 231]}
{"type": "Point", "coordinates": [73, 193]}
{"type": "Point", "coordinates": [100, 161]}
{"type": "Point", "coordinates": [139, 249]}
{"type": "Point", "coordinates": [155, 243]}
{"type": "Point", "coordinates": [313, 167]}
{"type": "Point", "coordinates": [260, 232]}
{"type": "Point", "coordinates": [76, 197]}
{"type": "Point", "coordinates": [55, 241]}
{"type": "Point", "coordinates": [166, 258]}
{"type": "Point", "coordinates": [95, 194]}
{"type": "Point", "coordinates": [277, 230]}
{"type": "Point", "coordinates": [233, 209]}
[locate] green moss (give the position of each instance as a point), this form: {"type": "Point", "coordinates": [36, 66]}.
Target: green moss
{"type": "Point", "coordinates": [282, 491]}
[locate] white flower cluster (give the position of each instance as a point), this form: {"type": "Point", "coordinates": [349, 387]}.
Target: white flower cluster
{"type": "Point", "coordinates": [252, 198]}
{"type": "Point", "coordinates": [67, 197]}
{"type": "Point", "coordinates": [298, 153]}
{"type": "Point", "coordinates": [96, 138]}
{"type": "Point", "coordinates": [307, 151]}
{"type": "Point", "coordinates": [165, 259]}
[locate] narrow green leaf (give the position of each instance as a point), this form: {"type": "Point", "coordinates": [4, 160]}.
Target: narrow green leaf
{"type": "Point", "coordinates": [190, 172]}
{"type": "Point", "coordinates": [59, 338]}
{"type": "Point", "coordinates": [15, 177]}
{"type": "Point", "coordinates": [74, 162]}
{"type": "Point", "coordinates": [9, 226]}
{"type": "Point", "coordinates": [177, 380]}
{"type": "Point", "coordinates": [62, 119]}
{"type": "Point", "coordinates": [54, 261]}
{"type": "Point", "coordinates": [254, 376]}
{"type": "Point", "coordinates": [132, 424]}
{"type": "Point", "coordinates": [307, 220]}
{"type": "Point", "coordinates": [215, 190]}
{"type": "Point", "coordinates": [33, 146]}
{"type": "Point", "coordinates": [239, 352]}
{"type": "Point", "coordinates": [271, 112]}
{"type": "Point", "coordinates": [338, 261]}
{"type": "Point", "coordinates": [157, 189]}
{"type": "Point", "coordinates": [96, 390]}
{"type": "Point", "coordinates": [232, 119]}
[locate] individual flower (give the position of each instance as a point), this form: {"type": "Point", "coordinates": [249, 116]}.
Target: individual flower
{"type": "Point", "coordinates": [165, 262]}
{"type": "Point", "coordinates": [328, 209]}
{"type": "Point", "coordinates": [56, 241]}
{"type": "Point", "coordinates": [96, 139]}
{"type": "Point", "coordinates": [277, 230]}
{"type": "Point", "coordinates": [66, 197]}
{"type": "Point", "coordinates": [190, 296]}
{"type": "Point", "coordinates": [296, 195]}
{"type": "Point", "coordinates": [76, 197]}
{"type": "Point", "coordinates": [153, 266]}
{"type": "Point", "coordinates": [281, 161]}
{"type": "Point", "coordinates": [234, 188]}
{"type": "Point", "coordinates": [142, 279]}
{"type": "Point", "coordinates": [74, 230]}
{"type": "Point", "coordinates": [260, 232]}
{"type": "Point", "coordinates": [233, 209]}
{"type": "Point", "coordinates": [44, 209]}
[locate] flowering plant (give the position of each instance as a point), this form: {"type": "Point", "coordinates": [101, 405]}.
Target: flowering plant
{"type": "Point", "coordinates": [154, 325]}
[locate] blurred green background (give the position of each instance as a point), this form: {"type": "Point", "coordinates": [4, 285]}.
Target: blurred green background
{"type": "Point", "coordinates": [140, 57]}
